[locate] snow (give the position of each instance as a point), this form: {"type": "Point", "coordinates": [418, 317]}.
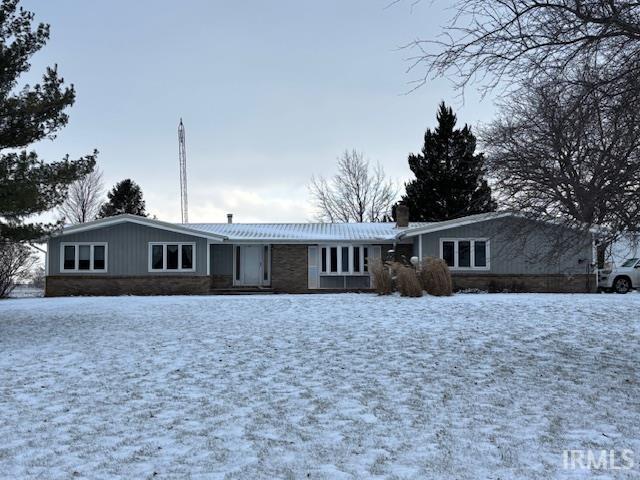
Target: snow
{"type": "Point", "coordinates": [317, 386]}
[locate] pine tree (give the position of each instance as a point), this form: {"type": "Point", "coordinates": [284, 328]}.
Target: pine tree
{"type": "Point", "coordinates": [28, 185]}
{"type": "Point", "coordinates": [124, 197]}
{"type": "Point", "coordinates": [450, 177]}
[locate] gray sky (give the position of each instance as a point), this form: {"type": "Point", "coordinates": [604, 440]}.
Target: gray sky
{"type": "Point", "coordinates": [270, 93]}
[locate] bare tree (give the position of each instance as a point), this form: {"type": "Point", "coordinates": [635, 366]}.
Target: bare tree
{"type": "Point", "coordinates": [84, 198]}
{"type": "Point", "coordinates": [16, 261]}
{"type": "Point", "coordinates": [570, 155]}
{"type": "Point", "coordinates": [357, 193]}
{"type": "Point", "coordinates": [514, 40]}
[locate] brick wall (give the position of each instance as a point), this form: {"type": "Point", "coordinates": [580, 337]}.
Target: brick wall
{"type": "Point", "coordinates": [289, 268]}
{"type": "Point", "coordinates": [549, 283]}
{"type": "Point", "coordinates": [57, 286]}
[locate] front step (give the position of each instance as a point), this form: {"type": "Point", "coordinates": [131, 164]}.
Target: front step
{"type": "Point", "coordinates": [242, 291]}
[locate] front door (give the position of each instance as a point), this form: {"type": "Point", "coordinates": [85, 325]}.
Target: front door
{"type": "Point", "coordinates": [251, 264]}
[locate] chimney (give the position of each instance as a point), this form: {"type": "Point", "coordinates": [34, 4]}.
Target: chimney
{"type": "Point", "coordinates": [402, 216]}
{"type": "Point", "coordinates": [229, 217]}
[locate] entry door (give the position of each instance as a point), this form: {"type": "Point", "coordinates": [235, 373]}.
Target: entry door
{"type": "Point", "coordinates": [251, 263]}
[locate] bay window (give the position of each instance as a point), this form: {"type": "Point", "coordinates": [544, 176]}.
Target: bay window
{"type": "Point", "coordinates": [172, 257]}
{"type": "Point", "coordinates": [83, 257]}
{"type": "Point", "coordinates": [465, 253]}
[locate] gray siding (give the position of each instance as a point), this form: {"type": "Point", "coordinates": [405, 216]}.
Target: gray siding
{"type": "Point", "coordinates": [128, 249]}
{"type": "Point", "coordinates": [519, 246]}
{"type": "Point", "coordinates": [222, 260]}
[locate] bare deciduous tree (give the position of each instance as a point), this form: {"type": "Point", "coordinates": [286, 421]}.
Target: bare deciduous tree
{"type": "Point", "coordinates": [16, 261]}
{"type": "Point", "coordinates": [514, 40]}
{"type": "Point", "coordinates": [84, 198]}
{"type": "Point", "coordinates": [569, 154]}
{"type": "Point", "coordinates": [357, 193]}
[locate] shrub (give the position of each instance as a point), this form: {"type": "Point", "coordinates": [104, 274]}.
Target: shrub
{"type": "Point", "coordinates": [382, 282]}
{"type": "Point", "coordinates": [435, 277]}
{"type": "Point", "coordinates": [407, 281]}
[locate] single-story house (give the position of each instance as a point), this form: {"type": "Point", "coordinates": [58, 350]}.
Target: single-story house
{"type": "Point", "coordinates": [127, 254]}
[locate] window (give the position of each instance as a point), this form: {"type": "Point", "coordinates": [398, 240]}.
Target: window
{"type": "Point", "coordinates": [344, 259]}
{"type": "Point", "coordinates": [187, 256]}
{"type": "Point", "coordinates": [238, 263]}
{"type": "Point", "coordinates": [448, 249]}
{"type": "Point", "coordinates": [266, 263]}
{"type": "Point", "coordinates": [334, 259]}
{"type": "Point", "coordinates": [172, 257]}
{"type": "Point", "coordinates": [465, 254]}
{"type": "Point", "coordinates": [99, 257]}
{"type": "Point", "coordinates": [69, 257]}
{"type": "Point", "coordinates": [83, 257]}
{"type": "Point", "coordinates": [356, 259]}
{"type": "Point", "coordinates": [480, 253]}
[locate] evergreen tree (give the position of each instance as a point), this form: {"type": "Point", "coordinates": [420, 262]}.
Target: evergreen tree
{"type": "Point", "coordinates": [28, 186]}
{"type": "Point", "coordinates": [124, 197]}
{"type": "Point", "coordinates": [450, 177]}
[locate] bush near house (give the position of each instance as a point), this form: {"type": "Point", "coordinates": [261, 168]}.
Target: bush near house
{"type": "Point", "coordinates": [407, 281]}
{"type": "Point", "coordinates": [435, 277]}
{"type": "Point", "coordinates": [383, 283]}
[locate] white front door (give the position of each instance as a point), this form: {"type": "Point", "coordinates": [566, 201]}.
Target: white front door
{"type": "Point", "coordinates": [251, 264]}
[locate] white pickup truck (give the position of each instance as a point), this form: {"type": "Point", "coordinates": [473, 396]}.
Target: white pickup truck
{"type": "Point", "coordinates": [620, 279]}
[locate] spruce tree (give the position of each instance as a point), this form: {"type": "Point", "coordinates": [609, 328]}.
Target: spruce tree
{"type": "Point", "coordinates": [124, 197]}
{"type": "Point", "coordinates": [28, 185]}
{"type": "Point", "coordinates": [450, 177]}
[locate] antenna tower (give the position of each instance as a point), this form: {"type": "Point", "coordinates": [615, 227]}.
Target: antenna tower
{"type": "Point", "coordinates": [182, 157]}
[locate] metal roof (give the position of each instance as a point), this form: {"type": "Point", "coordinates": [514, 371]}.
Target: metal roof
{"type": "Point", "coordinates": [386, 231]}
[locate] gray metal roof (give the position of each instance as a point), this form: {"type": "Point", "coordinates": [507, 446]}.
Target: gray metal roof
{"type": "Point", "coordinates": [386, 231]}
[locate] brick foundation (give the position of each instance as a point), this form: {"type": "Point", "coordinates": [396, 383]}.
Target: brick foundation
{"type": "Point", "coordinates": [545, 283]}
{"type": "Point", "coordinates": [70, 285]}
{"type": "Point", "coordinates": [221, 281]}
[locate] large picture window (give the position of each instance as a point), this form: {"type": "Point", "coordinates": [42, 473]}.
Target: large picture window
{"type": "Point", "coordinates": [172, 257]}
{"type": "Point", "coordinates": [83, 257]}
{"type": "Point", "coordinates": [465, 253]}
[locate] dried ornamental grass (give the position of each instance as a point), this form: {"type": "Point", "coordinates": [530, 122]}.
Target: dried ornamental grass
{"type": "Point", "coordinates": [382, 281]}
{"type": "Point", "coordinates": [436, 277]}
{"type": "Point", "coordinates": [407, 281]}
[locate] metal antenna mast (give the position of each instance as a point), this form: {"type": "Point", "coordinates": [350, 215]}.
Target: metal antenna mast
{"type": "Point", "coordinates": [182, 154]}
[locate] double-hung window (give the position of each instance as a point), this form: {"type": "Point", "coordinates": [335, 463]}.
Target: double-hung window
{"type": "Point", "coordinates": [465, 253]}
{"type": "Point", "coordinates": [344, 259]}
{"type": "Point", "coordinates": [172, 257]}
{"type": "Point", "coordinates": [83, 257]}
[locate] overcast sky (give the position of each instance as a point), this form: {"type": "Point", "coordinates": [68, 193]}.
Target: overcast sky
{"type": "Point", "coordinates": [270, 93]}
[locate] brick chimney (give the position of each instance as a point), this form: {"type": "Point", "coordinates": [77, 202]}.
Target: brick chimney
{"type": "Point", "coordinates": [402, 216]}
{"type": "Point", "coordinates": [229, 217]}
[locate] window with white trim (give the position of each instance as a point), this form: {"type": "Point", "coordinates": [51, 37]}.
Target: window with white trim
{"type": "Point", "coordinates": [344, 260]}
{"type": "Point", "coordinates": [465, 253]}
{"type": "Point", "coordinates": [83, 257]}
{"type": "Point", "coordinates": [172, 257]}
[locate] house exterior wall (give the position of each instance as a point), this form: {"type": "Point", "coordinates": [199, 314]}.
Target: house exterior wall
{"type": "Point", "coordinates": [289, 268]}
{"type": "Point", "coordinates": [221, 266]}
{"type": "Point", "coordinates": [128, 250]}
{"type": "Point", "coordinates": [524, 256]}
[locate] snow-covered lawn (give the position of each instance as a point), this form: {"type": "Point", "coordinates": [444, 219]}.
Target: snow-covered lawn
{"type": "Point", "coordinates": [317, 386]}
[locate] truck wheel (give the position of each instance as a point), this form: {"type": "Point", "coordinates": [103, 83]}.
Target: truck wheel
{"type": "Point", "coordinates": [621, 285]}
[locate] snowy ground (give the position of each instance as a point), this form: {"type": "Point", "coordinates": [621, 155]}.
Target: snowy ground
{"type": "Point", "coordinates": [320, 386]}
